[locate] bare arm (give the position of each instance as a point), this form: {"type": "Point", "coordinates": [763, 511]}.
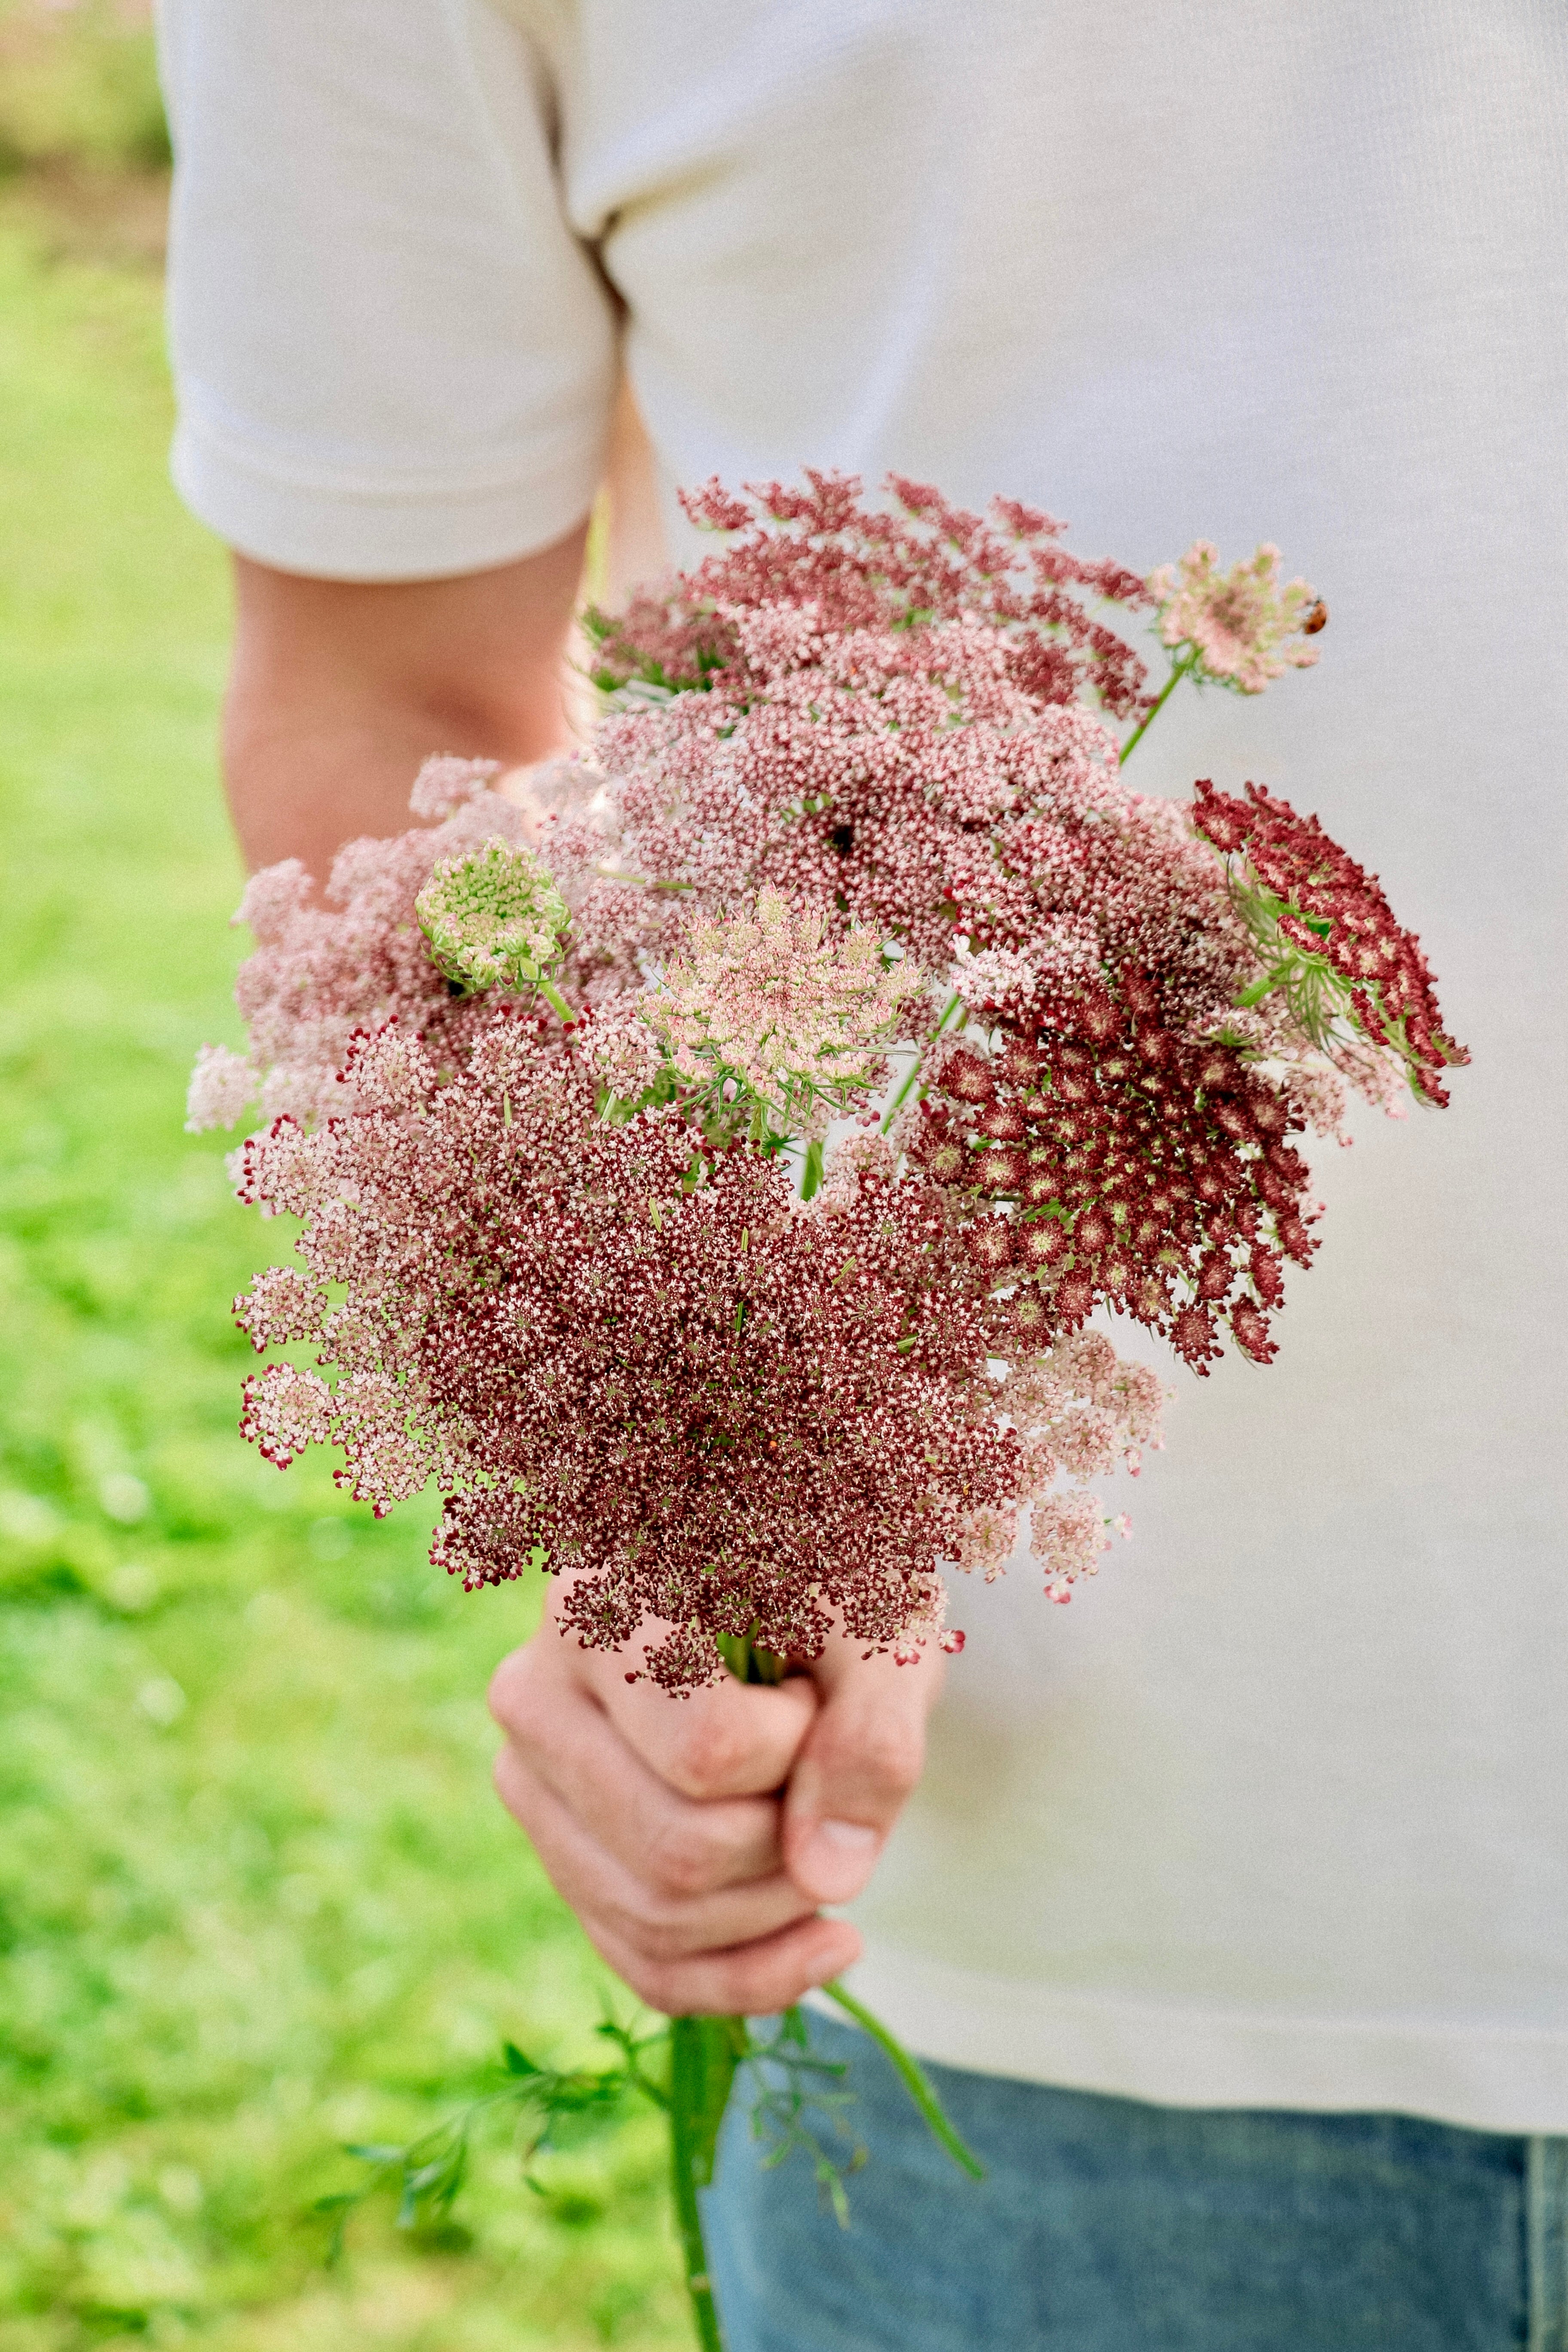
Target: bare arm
{"type": "Point", "coordinates": [340, 690]}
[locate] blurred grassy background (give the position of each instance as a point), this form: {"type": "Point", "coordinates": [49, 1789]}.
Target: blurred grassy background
{"type": "Point", "coordinates": [256, 1896]}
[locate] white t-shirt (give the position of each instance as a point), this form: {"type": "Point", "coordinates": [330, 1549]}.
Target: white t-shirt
{"type": "Point", "coordinates": [1277, 1812]}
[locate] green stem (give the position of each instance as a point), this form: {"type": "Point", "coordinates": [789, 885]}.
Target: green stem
{"type": "Point", "coordinates": [901, 1098]}
{"type": "Point", "coordinates": [703, 2054]}
{"type": "Point", "coordinates": [1179, 671]}
{"type": "Point", "coordinates": [689, 2103]}
{"type": "Point", "coordinates": [705, 2050]}
{"type": "Point", "coordinates": [909, 2074]}
{"type": "Point", "coordinates": [747, 1660]}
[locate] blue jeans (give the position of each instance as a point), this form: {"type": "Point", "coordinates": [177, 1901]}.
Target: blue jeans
{"type": "Point", "coordinates": [1104, 2225]}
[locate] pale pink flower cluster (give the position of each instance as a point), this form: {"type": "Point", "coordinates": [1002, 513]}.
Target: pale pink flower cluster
{"type": "Point", "coordinates": [322, 972]}
{"type": "Point", "coordinates": [1244, 626]}
{"type": "Point", "coordinates": [901, 778]}
{"type": "Point", "coordinates": [1081, 1412]}
{"type": "Point", "coordinates": [904, 781]}
{"type": "Point", "coordinates": [323, 969]}
{"type": "Point", "coordinates": [770, 1006]}
{"type": "Point", "coordinates": [818, 551]}
{"type": "Point", "coordinates": [1067, 1534]}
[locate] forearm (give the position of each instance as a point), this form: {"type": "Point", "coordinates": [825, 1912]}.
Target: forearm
{"type": "Point", "coordinates": [304, 777]}
{"type": "Point", "coordinates": [339, 691]}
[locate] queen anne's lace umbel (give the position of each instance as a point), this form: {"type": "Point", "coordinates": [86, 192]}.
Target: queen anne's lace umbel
{"type": "Point", "coordinates": [771, 1005]}
{"type": "Point", "coordinates": [321, 970]}
{"type": "Point", "coordinates": [1317, 916]}
{"type": "Point", "coordinates": [494, 918]}
{"type": "Point", "coordinates": [714, 1411]}
{"type": "Point", "coordinates": [1243, 626]}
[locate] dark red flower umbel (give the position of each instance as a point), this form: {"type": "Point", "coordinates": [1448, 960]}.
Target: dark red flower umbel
{"type": "Point", "coordinates": [1139, 1172]}
{"type": "Point", "coordinates": [1331, 909]}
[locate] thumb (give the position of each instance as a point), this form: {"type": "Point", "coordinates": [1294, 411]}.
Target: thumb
{"type": "Point", "coordinates": [862, 1756]}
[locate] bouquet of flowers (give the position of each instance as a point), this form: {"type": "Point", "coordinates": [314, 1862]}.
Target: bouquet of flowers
{"type": "Point", "coordinates": [709, 1171]}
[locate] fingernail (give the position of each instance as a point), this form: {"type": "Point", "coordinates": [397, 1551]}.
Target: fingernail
{"type": "Point", "coordinates": [838, 1858]}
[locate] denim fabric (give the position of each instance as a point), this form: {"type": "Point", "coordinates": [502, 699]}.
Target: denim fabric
{"type": "Point", "coordinates": [1105, 2225]}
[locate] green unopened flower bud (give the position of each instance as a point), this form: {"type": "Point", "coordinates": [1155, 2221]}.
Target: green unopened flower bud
{"type": "Point", "coordinates": [496, 919]}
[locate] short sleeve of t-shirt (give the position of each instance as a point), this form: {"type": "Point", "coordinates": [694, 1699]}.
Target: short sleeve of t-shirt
{"type": "Point", "coordinates": [394, 357]}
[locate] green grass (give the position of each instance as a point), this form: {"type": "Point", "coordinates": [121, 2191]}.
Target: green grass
{"type": "Point", "coordinates": [79, 86]}
{"type": "Point", "coordinates": [256, 1896]}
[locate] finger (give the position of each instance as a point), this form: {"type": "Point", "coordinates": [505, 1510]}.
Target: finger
{"type": "Point", "coordinates": [751, 1980]}
{"type": "Point", "coordinates": [674, 1844]}
{"type": "Point", "coordinates": [861, 1758]}
{"type": "Point", "coordinates": [657, 1927]}
{"type": "Point", "coordinates": [731, 1740]}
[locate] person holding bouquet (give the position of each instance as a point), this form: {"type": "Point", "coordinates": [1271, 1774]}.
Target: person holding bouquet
{"type": "Point", "coordinates": [1230, 1906]}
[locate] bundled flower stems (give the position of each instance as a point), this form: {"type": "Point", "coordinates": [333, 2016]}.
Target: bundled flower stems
{"type": "Point", "coordinates": [723, 1179]}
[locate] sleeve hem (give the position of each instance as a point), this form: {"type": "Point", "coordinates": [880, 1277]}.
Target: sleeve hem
{"type": "Point", "coordinates": [363, 527]}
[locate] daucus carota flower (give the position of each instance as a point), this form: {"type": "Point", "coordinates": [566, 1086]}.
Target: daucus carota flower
{"type": "Point", "coordinates": [1243, 625]}
{"type": "Point", "coordinates": [716, 1408]}
{"type": "Point", "coordinates": [899, 780]}
{"type": "Point", "coordinates": [223, 1087]}
{"type": "Point", "coordinates": [1102, 1160]}
{"type": "Point", "coordinates": [1326, 934]}
{"type": "Point", "coordinates": [841, 567]}
{"type": "Point", "coordinates": [567, 1276]}
{"type": "Point", "coordinates": [1067, 1534]}
{"type": "Point", "coordinates": [495, 918]}
{"type": "Point", "coordinates": [359, 957]}
{"type": "Point", "coordinates": [769, 1006]}
{"type": "Point", "coordinates": [321, 970]}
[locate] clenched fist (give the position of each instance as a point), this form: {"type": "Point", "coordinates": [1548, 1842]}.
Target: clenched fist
{"type": "Point", "coordinates": [696, 1837]}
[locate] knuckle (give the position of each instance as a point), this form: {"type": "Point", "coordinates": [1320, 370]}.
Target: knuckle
{"type": "Point", "coordinates": [886, 1753]}
{"type": "Point", "coordinates": [682, 1859]}
{"type": "Point", "coordinates": [511, 1784]}
{"type": "Point", "coordinates": [659, 1938]}
{"type": "Point", "coordinates": [705, 1759]}
{"type": "Point", "coordinates": [753, 1985]}
{"type": "Point", "coordinates": [656, 1982]}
